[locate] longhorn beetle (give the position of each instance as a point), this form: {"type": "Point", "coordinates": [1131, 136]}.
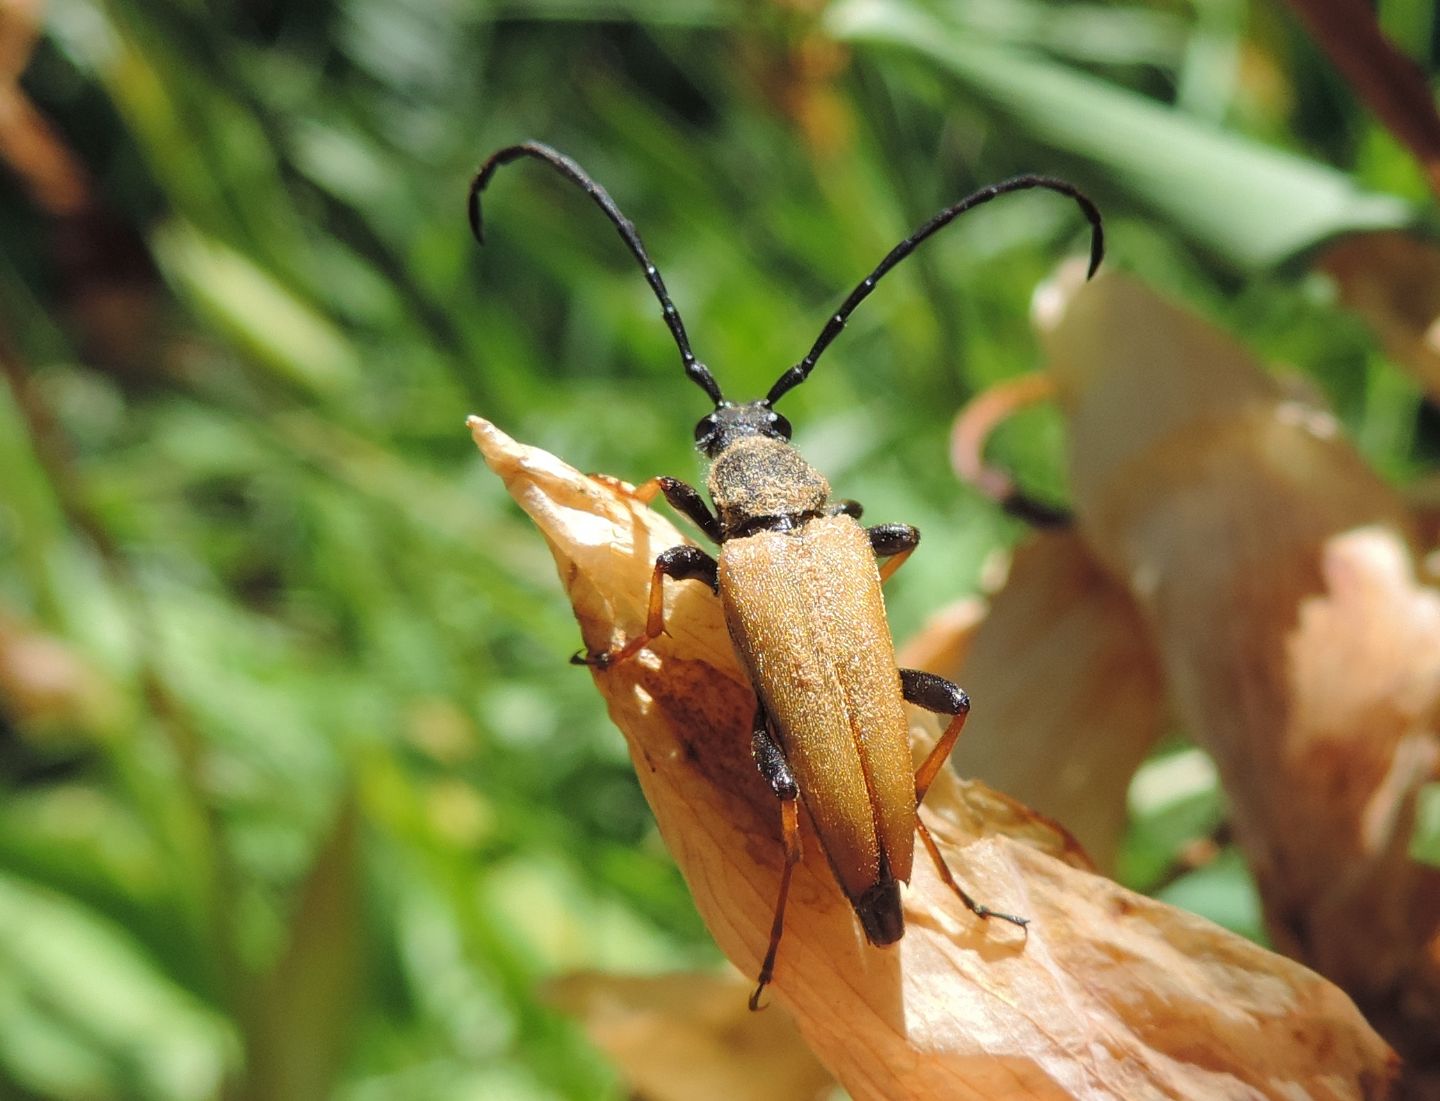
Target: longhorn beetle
{"type": "Point", "coordinates": [798, 579]}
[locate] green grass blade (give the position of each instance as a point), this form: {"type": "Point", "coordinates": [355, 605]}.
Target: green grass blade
{"type": "Point", "coordinates": [1250, 205]}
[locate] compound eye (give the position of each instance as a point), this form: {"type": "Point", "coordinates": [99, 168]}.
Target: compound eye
{"type": "Point", "coordinates": [705, 428]}
{"type": "Point", "coordinates": [780, 425]}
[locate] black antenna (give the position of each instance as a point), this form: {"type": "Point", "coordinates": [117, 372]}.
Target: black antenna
{"type": "Point", "coordinates": [797, 374]}
{"type": "Point", "coordinates": [696, 370]}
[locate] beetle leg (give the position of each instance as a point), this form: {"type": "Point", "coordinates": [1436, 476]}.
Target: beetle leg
{"type": "Point", "coordinates": [776, 770]}
{"type": "Point", "coordinates": [976, 908]}
{"type": "Point", "coordinates": [684, 499]}
{"type": "Point", "coordinates": [894, 541]}
{"type": "Point", "coordinates": [683, 563]}
{"type": "Point", "coordinates": [944, 698]}
{"type": "Point", "coordinates": [846, 507]}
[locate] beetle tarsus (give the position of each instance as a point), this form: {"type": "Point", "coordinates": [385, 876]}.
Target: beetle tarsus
{"type": "Point", "coordinates": [770, 759]}
{"type": "Point", "coordinates": [601, 659]}
{"type": "Point", "coordinates": [946, 875]}
{"type": "Point", "coordinates": [682, 563]}
{"type": "Point", "coordinates": [755, 1006]}
{"type": "Point", "coordinates": [1023, 923]}
{"type": "Point", "coordinates": [767, 969]}
{"type": "Point", "coordinates": [606, 659]}
{"type": "Point", "coordinates": [983, 911]}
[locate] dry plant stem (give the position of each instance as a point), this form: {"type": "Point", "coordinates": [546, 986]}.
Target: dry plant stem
{"type": "Point", "coordinates": [107, 278]}
{"type": "Point", "coordinates": [1111, 995]}
{"type": "Point", "coordinates": [53, 176]}
{"type": "Point", "coordinates": [980, 417]}
{"type": "Point", "coordinates": [1275, 571]}
{"type": "Point", "coordinates": [1390, 83]}
{"type": "Point", "coordinates": [971, 432]}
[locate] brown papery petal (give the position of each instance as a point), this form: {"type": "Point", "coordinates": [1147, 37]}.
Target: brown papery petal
{"type": "Point", "coordinates": [1111, 995]}
{"type": "Point", "coordinates": [1070, 750]}
{"type": "Point", "coordinates": [690, 1036]}
{"type": "Point", "coordinates": [1276, 573]}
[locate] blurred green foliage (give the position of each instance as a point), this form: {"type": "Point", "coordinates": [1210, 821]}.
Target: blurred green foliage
{"type": "Point", "coordinates": [313, 803]}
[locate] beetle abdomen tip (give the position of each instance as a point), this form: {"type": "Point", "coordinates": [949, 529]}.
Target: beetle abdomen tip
{"type": "Point", "coordinates": [879, 912]}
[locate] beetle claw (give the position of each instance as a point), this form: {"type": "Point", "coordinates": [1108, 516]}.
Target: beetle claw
{"type": "Point", "coordinates": [986, 912]}
{"type": "Point", "coordinates": [594, 660]}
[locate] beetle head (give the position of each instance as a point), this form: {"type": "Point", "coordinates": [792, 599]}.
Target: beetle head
{"type": "Point", "coordinates": [730, 422]}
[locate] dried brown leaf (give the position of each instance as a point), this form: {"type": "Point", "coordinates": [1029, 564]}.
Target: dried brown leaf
{"type": "Point", "coordinates": [691, 1037]}
{"type": "Point", "coordinates": [1112, 995]}
{"type": "Point", "coordinates": [1276, 573]}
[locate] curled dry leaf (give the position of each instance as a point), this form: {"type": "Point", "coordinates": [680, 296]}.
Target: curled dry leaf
{"type": "Point", "coordinates": [1275, 571]}
{"type": "Point", "coordinates": [1111, 995]}
{"type": "Point", "coordinates": [691, 1037]}
{"type": "Point", "coordinates": [1068, 751]}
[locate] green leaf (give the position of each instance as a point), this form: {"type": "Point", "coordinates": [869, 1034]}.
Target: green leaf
{"type": "Point", "coordinates": [1425, 841]}
{"type": "Point", "coordinates": [1251, 205]}
{"type": "Point", "coordinates": [301, 1016]}
{"type": "Point", "coordinates": [85, 1013]}
{"type": "Point", "coordinates": [248, 305]}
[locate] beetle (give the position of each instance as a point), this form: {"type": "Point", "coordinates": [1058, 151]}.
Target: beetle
{"type": "Point", "coordinates": [800, 584]}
